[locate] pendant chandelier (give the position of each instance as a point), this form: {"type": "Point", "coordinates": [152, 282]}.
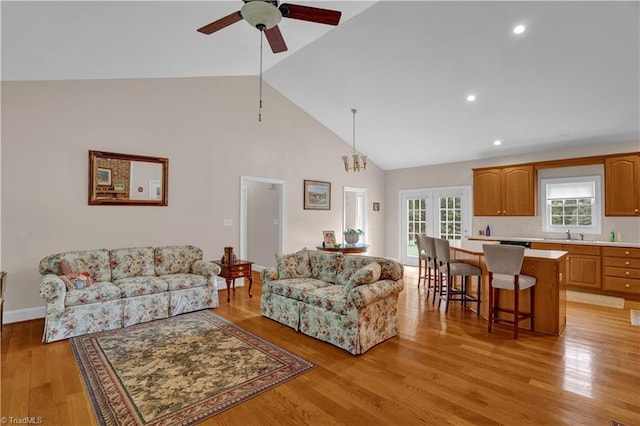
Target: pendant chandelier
{"type": "Point", "coordinates": [355, 160]}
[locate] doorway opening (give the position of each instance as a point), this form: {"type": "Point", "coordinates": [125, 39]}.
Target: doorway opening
{"type": "Point", "coordinates": [262, 220]}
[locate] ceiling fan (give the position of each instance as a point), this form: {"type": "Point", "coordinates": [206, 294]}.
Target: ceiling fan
{"type": "Point", "coordinates": [265, 16]}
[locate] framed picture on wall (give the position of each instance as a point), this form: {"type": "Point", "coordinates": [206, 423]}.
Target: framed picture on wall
{"type": "Point", "coordinates": [317, 195]}
{"type": "Point", "coordinates": [104, 176]}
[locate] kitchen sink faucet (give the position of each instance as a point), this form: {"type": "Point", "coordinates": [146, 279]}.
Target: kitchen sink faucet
{"type": "Point", "coordinates": [568, 234]}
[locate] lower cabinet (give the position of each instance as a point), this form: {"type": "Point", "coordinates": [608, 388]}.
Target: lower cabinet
{"type": "Point", "coordinates": [584, 266]}
{"type": "Point", "coordinates": [621, 270]}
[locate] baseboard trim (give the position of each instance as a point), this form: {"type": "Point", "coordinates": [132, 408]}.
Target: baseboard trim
{"type": "Point", "coordinates": [26, 314]}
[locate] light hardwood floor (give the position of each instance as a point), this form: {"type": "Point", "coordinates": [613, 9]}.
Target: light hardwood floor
{"type": "Point", "coordinates": [442, 369]}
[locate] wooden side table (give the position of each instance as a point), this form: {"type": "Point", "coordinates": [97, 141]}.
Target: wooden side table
{"type": "Point", "coordinates": [237, 269]}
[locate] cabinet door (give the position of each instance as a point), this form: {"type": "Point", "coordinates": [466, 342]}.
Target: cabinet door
{"type": "Point", "coordinates": [622, 186]}
{"type": "Point", "coordinates": [583, 270]}
{"type": "Point", "coordinates": [519, 191]}
{"type": "Point", "coordinates": [487, 192]}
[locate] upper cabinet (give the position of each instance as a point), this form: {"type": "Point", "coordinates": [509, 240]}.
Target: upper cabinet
{"type": "Point", "coordinates": [504, 191]}
{"type": "Point", "coordinates": [622, 186]}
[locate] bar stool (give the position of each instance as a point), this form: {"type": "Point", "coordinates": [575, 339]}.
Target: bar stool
{"type": "Point", "coordinates": [430, 252]}
{"type": "Point", "coordinates": [422, 259]}
{"type": "Point", "coordinates": [452, 268]}
{"type": "Point", "coordinates": [504, 263]}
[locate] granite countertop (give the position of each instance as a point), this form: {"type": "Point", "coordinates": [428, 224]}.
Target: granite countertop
{"type": "Point", "coordinates": [557, 241]}
{"type": "Point", "coordinates": [475, 247]}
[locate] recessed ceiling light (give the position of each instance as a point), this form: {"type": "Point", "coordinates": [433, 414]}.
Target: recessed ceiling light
{"type": "Point", "coordinates": [497, 142]}
{"type": "Point", "coordinates": [471, 98]}
{"type": "Point", "coordinates": [519, 29]}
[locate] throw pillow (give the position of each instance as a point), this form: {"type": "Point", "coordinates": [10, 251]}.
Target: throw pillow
{"type": "Point", "coordinates": [65, 268]}
{"type": "Point", "coordinates": [77, 280]}
{"type": "Point", "coordinates": [294, 265]}
{"type": "Point", "coordinates": [366, 275]}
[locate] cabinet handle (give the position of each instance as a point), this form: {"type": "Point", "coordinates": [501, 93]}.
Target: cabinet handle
{"type": "Point", "coordinates": [626, 263]}
{"type": "Point", "coordinates": [499, 212]}
{"type": "Point", "coordinates": [636, 210]}
{"type": "Point", "coordinates": [627, 273]}
{"type": "Point", "coordinates": [626, 252]}
{"type": "Point", "coordinates": [627, 285]}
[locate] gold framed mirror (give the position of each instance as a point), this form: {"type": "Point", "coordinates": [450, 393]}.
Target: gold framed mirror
{"type": "Point", "coordinates": [127, 179]}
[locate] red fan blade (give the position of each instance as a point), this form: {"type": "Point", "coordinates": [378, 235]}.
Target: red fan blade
{"type": "Point", "coordinates": [274, 37]}
{"type": "Point", "coordinates": [312, 14]}
{"type": "Point", "coordinates": [221, 23]}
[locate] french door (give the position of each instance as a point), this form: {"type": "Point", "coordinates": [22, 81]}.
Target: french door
{"type": "Point", "coordinates": [440, 213]}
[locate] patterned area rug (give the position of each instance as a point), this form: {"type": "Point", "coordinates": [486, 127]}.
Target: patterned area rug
{"type": "Point", "coordinates": [179, 370]}
{"type": "Point", "coordinates": [595, 299]}
{"type": "Point", "coordinates": [635, 317]}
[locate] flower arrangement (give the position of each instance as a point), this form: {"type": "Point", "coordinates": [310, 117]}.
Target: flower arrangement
{"type": "Point", "coordinates": [352, 235]}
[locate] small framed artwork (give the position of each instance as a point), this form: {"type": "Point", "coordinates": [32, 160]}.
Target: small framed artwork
{"type": "Point", "coordinates": [376, 207]}
{"type": "Point", "coordinates": [118, 187]}
{"type": "Point", "coordinates": [104, 176]}
{"type": "Point", "coordinates": [317, 195]}
{"type": "Point", "coordinates": [329, 238]}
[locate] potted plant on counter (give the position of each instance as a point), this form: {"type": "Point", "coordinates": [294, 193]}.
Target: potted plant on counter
{"type": "Point", "coordinates": [351, 236]}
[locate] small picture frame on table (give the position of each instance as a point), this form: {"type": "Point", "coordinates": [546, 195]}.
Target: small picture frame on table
{"type": "Point", "coordinates": [329, 238]}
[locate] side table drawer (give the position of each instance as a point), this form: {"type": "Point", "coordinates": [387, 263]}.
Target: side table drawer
{"type": "Point", "coordinates": [622, 285]}
{"type": "Point", "coordinates": [240, 273]}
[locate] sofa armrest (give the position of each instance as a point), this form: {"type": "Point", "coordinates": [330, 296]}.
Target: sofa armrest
{"type": "Point", "coordinates": [366, 294]}
{"type": "Point", "coordinates": [269, 274]}
{"type": "Point", "coordinates": [209, 270]}
{"type": "Point", "coordinates": [53, 290]}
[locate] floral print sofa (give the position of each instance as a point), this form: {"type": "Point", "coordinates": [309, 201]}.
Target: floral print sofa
{"type": "Point", "coordinates": [106, 289]}
{"type": "Point", "coordinates": [349, 301]}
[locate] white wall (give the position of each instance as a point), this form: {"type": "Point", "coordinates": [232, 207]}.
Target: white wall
{"type": "Point", "coordinates": [208, 129]}
{"type": "Point", "coordinates": [456, 174]}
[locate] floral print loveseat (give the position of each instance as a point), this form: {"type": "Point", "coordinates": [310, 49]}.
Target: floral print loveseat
{"type": "Point", "coordinates": [349, 301]}
{"type": "Point", "coordinates": [96, 290]}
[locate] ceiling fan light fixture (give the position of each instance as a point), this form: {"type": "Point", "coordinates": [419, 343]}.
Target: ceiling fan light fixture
{"type": "Point", "coordinates": [261, 15]}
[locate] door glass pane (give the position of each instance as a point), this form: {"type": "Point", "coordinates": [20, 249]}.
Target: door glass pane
{"type": "Point", "coordinates": [450, 218]}
{"type": "Point", "coordinates": [416, 224]}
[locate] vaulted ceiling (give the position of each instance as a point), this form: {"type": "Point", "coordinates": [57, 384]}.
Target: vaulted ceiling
{"type": "Point", "coordinates": [571, 78]}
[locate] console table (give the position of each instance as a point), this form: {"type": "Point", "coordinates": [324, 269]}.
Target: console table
{"type": "Point", "coordinates": [345, 248]}
{"type": "Point", "coordinates": [237, 269]}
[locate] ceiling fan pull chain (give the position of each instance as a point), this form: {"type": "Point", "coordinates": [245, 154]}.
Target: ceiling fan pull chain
{"type": "Point", "coordinates": [260, 103]}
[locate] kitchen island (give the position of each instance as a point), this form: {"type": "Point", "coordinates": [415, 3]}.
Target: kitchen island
{"type": "Point", "coordinates": [548, 266]}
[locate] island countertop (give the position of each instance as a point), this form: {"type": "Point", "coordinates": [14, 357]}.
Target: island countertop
{"type": "Point", "coordinates": [475, 247]}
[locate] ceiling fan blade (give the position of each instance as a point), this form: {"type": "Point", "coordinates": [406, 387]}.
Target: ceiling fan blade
{"type": "Point", "coordinates": [274, 37]}
{"type": "Point", "coordinates": [221, 23]}
{"type": "Point", "coordinates": [311, 14]}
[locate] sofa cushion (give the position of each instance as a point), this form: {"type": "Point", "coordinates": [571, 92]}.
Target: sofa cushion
{"type": "Point", "coordinates": [76, 280]}
{"type": "Point", "coordinates": [295, 288]}
{"type": "Point", "coordinates": [295, 265]}
{"type": "Point", "coordinates": [96, 293]}
{"type": "Point", "coordinates": [325, 265]}
{"type": "Point", "coordinates": [137, 286]}
{"type": "Point", "coordinates": [389, 269]}
{"type": "Point", "coordinates": [368, 274]}
{"type": "Point", "coordinates": [182, 281]}
{"type": "Point", "coordinates": [131, 262]}
{"type": "Point", "coordinates": [331, 298]}
{"type": "Point", "coordinates": [175, 259]}
{"type": "Point", "coordinates": [95, 262]}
